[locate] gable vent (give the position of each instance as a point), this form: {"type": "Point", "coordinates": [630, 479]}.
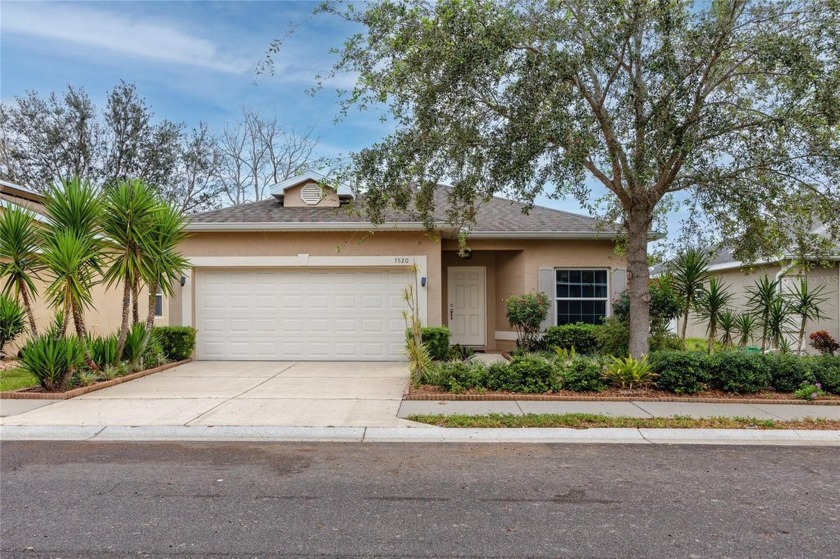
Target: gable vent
{"type": "Point", "coordinates": [311, 194]}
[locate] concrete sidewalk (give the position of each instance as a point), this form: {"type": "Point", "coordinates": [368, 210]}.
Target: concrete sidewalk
{"type": "Point", "coordinates": [626, 409]}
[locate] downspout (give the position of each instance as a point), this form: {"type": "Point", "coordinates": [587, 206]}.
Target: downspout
{"type": "Point", "coordinates": [781, 273]}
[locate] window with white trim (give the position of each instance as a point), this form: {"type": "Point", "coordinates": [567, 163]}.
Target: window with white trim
{"type": "Point", "coordinates": [582, 296]}
{"type": "Point", "coordinates": [159, 302]}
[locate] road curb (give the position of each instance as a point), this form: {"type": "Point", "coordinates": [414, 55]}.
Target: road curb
{"type": "Point", "coordinates": [411, 435]}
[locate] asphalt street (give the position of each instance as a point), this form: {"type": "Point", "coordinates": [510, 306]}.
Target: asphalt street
{"type": "Point", "coordinates": [100, 499]}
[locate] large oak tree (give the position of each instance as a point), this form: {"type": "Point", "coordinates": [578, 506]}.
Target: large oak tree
{"type": "Point", "coordinates": [734, 104]}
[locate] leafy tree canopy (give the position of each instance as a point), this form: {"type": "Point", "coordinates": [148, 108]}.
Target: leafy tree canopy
{"type": "Point", "coordinates": [733, 103]}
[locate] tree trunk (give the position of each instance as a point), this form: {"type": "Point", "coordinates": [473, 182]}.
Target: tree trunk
{"type": "Point", "coordinates": [79, 321]}
{"type": "Point", "coordinates": [150, 317]}
{"type": "Point", "coordinates": [801, 335]}
{"type": "Point", "coordinates": [684, 324]}
{"type": "Point", "coordinates": [135, 303]}
{"type": "Point", "coordinates": [65, 322]}
{"type": "Point", "coordinates": [712, 336]}
{"type": "Point", "coordinates": [27, 304]}
{"type": "Point", "coordinates": [125, 311]}
{"type": "Point", "coordinates": [638, 226]}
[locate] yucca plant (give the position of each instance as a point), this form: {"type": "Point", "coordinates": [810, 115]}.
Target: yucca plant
{"type": "Point", "coordinates": [762, 295]}
{"type": "Point", "coordinates": [165, 263]}
{"type": "Point", "coordinates": [12, 321]}
{"type": "Point", "coordinates": [104, 352]}
{"type": "Point", "coordinates": [19, 262]}
{"type": "Point", "coordinates": [807, 303]}
{"type": "Point", "coordinates": [689, 272]}
{"type": "Point", "coordinates": [53, 360]}
{"type": "Point", "coordinates": [728, 326]}
{"type": "Point", "coordinates": [629, 372]}
{"type": "Point", "coordinates": [746, 326]}
{"type": "Point", "coordinates": [135, 342]}
{"type": "Point", "coordinates": [778, 320]}
{"type": "Point", "coordinates": [712, 302]}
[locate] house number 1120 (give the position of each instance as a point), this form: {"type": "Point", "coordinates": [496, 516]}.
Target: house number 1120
{"type": "Point", "coordinates": [401, 260]}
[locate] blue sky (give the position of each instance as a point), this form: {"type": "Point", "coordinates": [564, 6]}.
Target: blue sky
{"type": "Point", "coordinates": [192, 61]}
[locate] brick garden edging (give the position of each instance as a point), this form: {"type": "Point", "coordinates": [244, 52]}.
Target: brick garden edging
{"type": "Point", "coordinates": [23, 395]}
{"type": "Point", "coordinates": [445, 396]}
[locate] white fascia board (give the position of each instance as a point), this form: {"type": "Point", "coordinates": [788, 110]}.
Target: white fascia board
{"type": "Point", "coordinates": [540, 235]}
{"type": "Point", "coordinates": [35, 215]}
{"type": "Point", "coordinates": [318, 226]}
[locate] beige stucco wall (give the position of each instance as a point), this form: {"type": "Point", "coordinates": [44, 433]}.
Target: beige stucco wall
{"type": "Point", "coordinates": [739, 280]}
{"type": "Point", "coordinates": [291, 198]}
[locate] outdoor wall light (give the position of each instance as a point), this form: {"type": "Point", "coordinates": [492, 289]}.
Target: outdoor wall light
{"type": "Point", "coordinates": [183, 281]}
{"type": "Point", "coordinates": [423, 281]}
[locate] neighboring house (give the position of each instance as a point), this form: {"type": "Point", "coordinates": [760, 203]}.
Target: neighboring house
{"type": "Point", "coordinates": [299, 277]}
{"type": "Point", "coordinates": [106, 314]}
{"type": "Point", "coordinates": [740, 276]}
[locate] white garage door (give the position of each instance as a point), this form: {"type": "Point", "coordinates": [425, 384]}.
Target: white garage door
{"type": "Point", "coordinates": [314, 315]}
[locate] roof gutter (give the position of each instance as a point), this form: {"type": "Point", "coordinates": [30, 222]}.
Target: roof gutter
{"type": "Point", "coordinates": [308, 227]}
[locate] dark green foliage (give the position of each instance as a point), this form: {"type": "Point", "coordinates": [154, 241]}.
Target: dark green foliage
{"type": "Point", "coordinates": [582, 337]}
{"type": "Point", "coordinates": [665, 302]}
{"type": "Point", "coordinates": [789, 372]}
{"type": "Point", "coordinates": [132, 352]}
{"type": "Point", "coordinates": [153, 355]}
{"type": "Point", "coordinates": [613, 337]}
{"type": "Point", "coordinates": [103, 351]}
{"type": "Point", "coordinates": [12, 320]}
{"type": "Point", "coordinates": [682, 372]}
{"type": "Point", "coordinates": [662, 340]}
{"type": "Point", "coordinates": [456, 376]}
{"type": "Point", "coordinates": [583, 375]}
{"type": "Point", "coordinates": [177, 342]}
{"type": "Point", "coordinates": [526, 313]}
{"type": "Point", "coordinates": [436, 339]}
{"type": "Point", "coordinates": [528, 375]}
{"type": "Point", "coordinates": [738, 372]}
{"type": "Point", "coordinates": [826, 369]}
{"type": "Point", "coordinates": [460, 353]}
{"type": "Point", "coordinates": [53, 360]}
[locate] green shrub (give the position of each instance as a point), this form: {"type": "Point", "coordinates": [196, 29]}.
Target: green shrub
{"type": "Point", "coordinates": [682, 372]}
{"type": "Point", "coordinates": [528, 375]}
{"type": "Point", "coordinates": [526, 314]}
{"type": "Point", "coordinates": [103, 351]}
{"type": "Point", "coordinates": [580, 336]}
{"type": "Point", "coordinates": [613, 337]}
{"type": "Point", "coordinates": [583, 375]}
{"type": "Point", "coordinates": [132, 351]}
{"type": "Point", "coordinates": [662, 340]}
{"type": "Point", "coordinates": [826, 370]}
{"type": "Point", "coordinates": [153, 354]}
{"type": "Point", "coordinates": [459, 352]}
{"type": "Point", "coordinates": [53, 360]}
{"type": "Point", "coordinates": [628, 372]}
{"type": "Point", "coordinates": [701, 344]}
{"type": "Point", "coordinates": [809, 392]}
{"type": "Point", "coordinates": [436, 339]}
{"type": "Point", "coordinates": [738, 372]}
{"type": "Point", "coordinates": [456, 376]}
{"type": "Point", "coordinates": [789, 372]}
{"type": "Point", "coordinates": [12, 321]}
{"type": "Point", "coordinates": [177, 342]}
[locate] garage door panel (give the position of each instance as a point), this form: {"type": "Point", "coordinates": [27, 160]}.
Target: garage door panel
{"type": "Point", "coordinates": [300, 314]}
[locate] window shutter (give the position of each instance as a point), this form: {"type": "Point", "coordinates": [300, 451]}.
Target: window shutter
{"type": "Point", "coordinates": [619, 284]}
{"type": "Point", "coordinates": [547, 282]}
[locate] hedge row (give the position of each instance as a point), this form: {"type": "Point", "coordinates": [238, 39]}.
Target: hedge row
{"type": "Point", "coordinates": [679, 372]}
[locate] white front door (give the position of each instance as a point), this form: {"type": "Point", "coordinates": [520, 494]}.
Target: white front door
{"type": "Point", "coordinates": [467, 309]}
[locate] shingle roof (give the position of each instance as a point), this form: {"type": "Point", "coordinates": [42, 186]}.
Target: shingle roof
{"type": "Point", "coordinates": [496, 215]}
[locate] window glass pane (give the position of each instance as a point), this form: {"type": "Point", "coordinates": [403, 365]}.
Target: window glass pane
{"type": "Point", "coordinates": [581, 296]}
{"type": "Point", "coordinates": [574, 276]}
{"type": "Point", "coordinates": [159, 305]}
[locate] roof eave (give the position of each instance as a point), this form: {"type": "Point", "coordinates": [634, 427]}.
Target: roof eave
{"type": "Point", "coordinates": [569, 235]}
{"type": "Point", "coordinates": [306, 227]}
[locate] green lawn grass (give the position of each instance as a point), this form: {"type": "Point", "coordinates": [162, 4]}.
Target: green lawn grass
{"type": "Point", "coordinates": [586, 421]}
{"type": "Point", "coordinates": [12, 379]}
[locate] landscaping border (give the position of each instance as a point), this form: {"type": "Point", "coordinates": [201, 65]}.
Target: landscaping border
{"type": "Point", "coordinates": [446, 396]}
{"type": "Point", "coordinates": [23, 395]}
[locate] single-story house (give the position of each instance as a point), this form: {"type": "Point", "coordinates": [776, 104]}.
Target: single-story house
{"type": "Point", "coordinates": [298, 276]}
{"type": "Point", "coordinates": [105, 315]}
{"type": "Point", "coordinates": [740, 276]}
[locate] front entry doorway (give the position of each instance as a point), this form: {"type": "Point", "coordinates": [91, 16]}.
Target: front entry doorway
{"type": "Point", "coordinates": [467, 308]}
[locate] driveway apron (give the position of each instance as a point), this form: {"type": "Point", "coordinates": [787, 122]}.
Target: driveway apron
{"type": "Point", "coordinates": [306, 394]}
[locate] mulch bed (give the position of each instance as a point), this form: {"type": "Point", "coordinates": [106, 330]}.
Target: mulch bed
{"type": "Point", "coordinates": [430, 392]}
{"type": "Point", "coordinates": [38, 393]}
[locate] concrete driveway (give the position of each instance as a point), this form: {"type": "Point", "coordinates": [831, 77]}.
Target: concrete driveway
{"type": "Point", "coordinates": [306, 394]}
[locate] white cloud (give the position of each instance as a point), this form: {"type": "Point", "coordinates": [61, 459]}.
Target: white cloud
{"type": "Point", "coordinates": [118, 33]}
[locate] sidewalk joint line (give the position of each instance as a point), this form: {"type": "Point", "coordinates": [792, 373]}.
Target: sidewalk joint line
{"type": "Point", "coordinates": [521, 411]}
{"type": "Point", "coordinates": [647, 440]}
{"type": "Point", "coordinates": [97, 433]}
{"type": "Point", "coordinates": [643, 410]}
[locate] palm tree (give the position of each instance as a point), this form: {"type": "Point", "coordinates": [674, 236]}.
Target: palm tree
{"type": "Point", "coordinates": [728, 323]}
{"type": "Point", "coordinates": [72, 251]}
{"type": "Point", "coordinates": [19, 255]}
{"type": "Point", "coordinates": [745, 325]}
{"type": "Point", "coordinates": [711, 303]}
{"type": "Point", "coordinates": [128, 221]}
{"type": "Point", "coordinates": [806, 303]}
{"type": "Point", "coordinates": [165, 263]}
{"type": "Point", "coordinates": [689, 271]}
{"type": "Point", "coordinates": [762, 295]}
